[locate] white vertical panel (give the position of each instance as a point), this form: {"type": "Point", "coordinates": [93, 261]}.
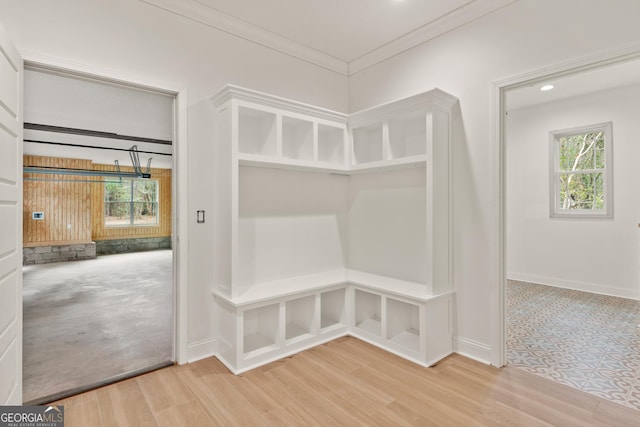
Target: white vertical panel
{"type": "Point", "coordinates": [10, 223]}
{"type": "Point", "coordinates": [8, 148]}
{"type": "Point", "coordinates": [8, 245]}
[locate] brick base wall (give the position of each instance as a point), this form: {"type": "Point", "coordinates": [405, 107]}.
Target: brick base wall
{"type": "Point", "coordinates": [118, 246]}
{"type": "Point", "coordinates": [58, 253]}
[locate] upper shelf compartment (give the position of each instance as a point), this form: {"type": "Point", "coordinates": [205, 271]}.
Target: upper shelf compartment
{"type": "Point", "coordinates": [256, 132]}
{"type": "Point", "coordinates": [401, 133]}
{"type": "Point", "coordinates": [270, 131]}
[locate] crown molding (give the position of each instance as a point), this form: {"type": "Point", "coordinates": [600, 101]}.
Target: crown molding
{"type": "Point", "coordinates": [215, 19]}
{"type": "Point", "coordinates": [469, 12]}
{"type": "Point", "coordinates": [434, 99]}
{"type": "Point", "coordinates": [199, 12]}
{"type": "Point", "coordinates": [230, 91]}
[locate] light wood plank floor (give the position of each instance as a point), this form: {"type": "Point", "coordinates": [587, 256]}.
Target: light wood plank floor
{"type": "Point", "coordinates": [343, 383]}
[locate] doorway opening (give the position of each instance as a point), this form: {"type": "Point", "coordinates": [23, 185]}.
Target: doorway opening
{"type": "Point", "coordinates": [98, 275]}
{"type": "Point", "coordinates": [571, 266]}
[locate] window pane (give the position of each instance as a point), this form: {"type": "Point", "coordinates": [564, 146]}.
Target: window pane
{"type": "Point", "coordinates": [582, 191]}
{"type": "Point", "coordinates": [117, 191]}
{"type": "Point", "coordinates": [580, 152]}
{"type": "Point", "coordinates": [145, 213]}
{"type": "Point", "coordinates": [117, 213]}
{"type": "Point", "coordinates": [145, 190]}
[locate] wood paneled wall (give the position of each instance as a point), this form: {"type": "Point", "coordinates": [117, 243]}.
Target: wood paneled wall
{"type": "Point", "coordinates": [163, 229]}
{"type": "Point", "coordinates": [81, 204]}
{"type": "Point", "coordinates": [66, 205]}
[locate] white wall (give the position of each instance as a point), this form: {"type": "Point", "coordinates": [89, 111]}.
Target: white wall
{"type": "Point", "coordinates": [291, 224]}
{"type": "Point", "coordinates": [387, 224]}
{"type": "Point", "coordinates": [597, 255]}
{"type": "Point", "coordinates": [57, 100]}
{"type": "Point", "coordinates": [147, 45]}
{"type": "Point", "coordinates": [526, 35]}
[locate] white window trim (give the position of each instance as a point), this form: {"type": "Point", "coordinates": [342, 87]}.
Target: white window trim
{"type": "Point", "coordinates": [554, 172]}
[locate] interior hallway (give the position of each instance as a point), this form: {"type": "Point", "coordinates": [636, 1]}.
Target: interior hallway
{"type": "Point", "coordinates": [87, 321]}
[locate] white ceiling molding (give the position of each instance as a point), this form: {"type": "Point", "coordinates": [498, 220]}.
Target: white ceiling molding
{"type": "Point", "coordinates": [454, 19]}
{"type": "Point", "coordinates": [213, 18]}
{"type": "Point", "coordinates": [223, 22]}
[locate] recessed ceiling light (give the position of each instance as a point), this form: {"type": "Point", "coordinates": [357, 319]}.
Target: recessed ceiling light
{"type": "Point", "coordinates": [546, 88]}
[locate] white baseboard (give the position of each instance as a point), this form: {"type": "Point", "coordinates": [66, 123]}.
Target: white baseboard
{"type": "Point", "coordinates": [472, 349]}
{"type": "Point", "coordinates": [575, 285]}
{"type": "Point", "coordinates": [202, 349]}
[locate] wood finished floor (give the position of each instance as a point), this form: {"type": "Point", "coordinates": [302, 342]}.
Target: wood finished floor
{"type": "Point", "coordinates": [343, 383]}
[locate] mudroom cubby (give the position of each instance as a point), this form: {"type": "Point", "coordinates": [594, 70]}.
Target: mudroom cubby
{"type": "Point", "coordinates": [256, 132]}
{"type": "Point", "coordinates": [332, 309]}
{"type": "Point", "coordinates": [329, 224]}
{"type": "Point", "coordinates": [368, 312]}
{"type": "Point", "coordinates": [403, 323]}
{"type": "Point", "coordinates": [331, 144]}
{"type": "Point", "coordinates": [368, 144]}
{"type": "Point", "coordinates": [297, 138]}
{"type": "Point", "coordinates": [301, 319]}
{"type": "Point", "coordinates": [260, 328]}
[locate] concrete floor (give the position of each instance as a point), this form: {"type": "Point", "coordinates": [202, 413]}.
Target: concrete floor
{"type": "Point", "coordinates": [89, 321]}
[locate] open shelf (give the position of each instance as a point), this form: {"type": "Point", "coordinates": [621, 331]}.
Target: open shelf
{"type": "Point", "coordinates": [260, 329]}
{"type": "Point", "coordinates": [407, 136]}
{"type": "Point", "coordinates": [332, 304]}
{"type": "Point", "coordinates": [367, 144]}
{"type": "Point", "coordinates": [300, 314]}
{"type": "Point", "coordinates": [284, 288]}
{"type": "Point", "coordinates": [331, 144]}
{"type": "Point", "coordinates": [256, 132]}
{"type": "Point", "coordinates": [368, 308]}
{"type": "Point", "coordinates": [297, 138]}
{"type": "Point", "coordinates": [389, 285]}
{"type": "Point", "coordinates": [291, 164]}
{"type": "Point", "coordinates": [403, 324]}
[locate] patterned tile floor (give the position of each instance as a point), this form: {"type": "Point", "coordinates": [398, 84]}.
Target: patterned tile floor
{"type": "Point", "coordinates": [587, 341]}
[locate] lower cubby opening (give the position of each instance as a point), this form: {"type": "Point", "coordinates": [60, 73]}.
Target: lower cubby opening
{"type": "Point", "coordinates": [332, 306]}
{"type": "Point", "coordinates": [260, 329]}
{"type": "Point", "coordinates": [368, 308]}
{"type": "Point", "coordinates": [300, 314]}
{"type": "Point", "coordinates": [403, 324]}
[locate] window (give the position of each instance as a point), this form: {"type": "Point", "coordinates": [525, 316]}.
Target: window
{"type": "Point", "coordinates": [581, 178]}
{"type": "Point", "coordinates": [131, 202]}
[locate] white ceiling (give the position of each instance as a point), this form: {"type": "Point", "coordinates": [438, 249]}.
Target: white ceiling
{"type": "Point", "coordinates": [596, 80]}
{"type": "Point", "coordinates": [344, 29]}
{"type": "Point", "coordinates": [345, 36]}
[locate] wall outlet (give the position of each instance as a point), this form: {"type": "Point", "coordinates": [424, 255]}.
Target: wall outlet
{"type": "Point", "coordinates": [68, 226]}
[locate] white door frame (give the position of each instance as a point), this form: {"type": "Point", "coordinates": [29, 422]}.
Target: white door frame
{"type": "Point", "coordinates": [498, 176]}
{"type": "Point", "coordinates": [179, 176]}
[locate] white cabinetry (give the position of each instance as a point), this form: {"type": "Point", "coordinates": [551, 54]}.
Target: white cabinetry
{"type": "Point", "coordinates": [328, 225]}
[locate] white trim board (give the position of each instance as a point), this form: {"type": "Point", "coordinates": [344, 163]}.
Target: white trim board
{"type": "Point", "coordinates": [213, 18]}
{"type": "Point", "coordinates": [202, 349]}
{"type": "Point", "coordinates": [596, 288]}
{"type": "Point", "coordinates": [472, 349]}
